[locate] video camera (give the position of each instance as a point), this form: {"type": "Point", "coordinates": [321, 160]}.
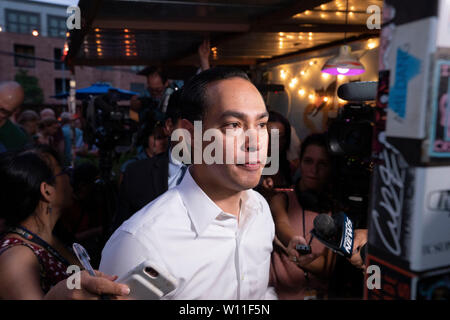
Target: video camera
{"type": "Point", "coordinates": [351, 140]}
{"type": "Point", "coordinates": [109, 126]}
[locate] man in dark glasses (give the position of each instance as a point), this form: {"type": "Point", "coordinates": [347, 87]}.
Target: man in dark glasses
{"type": "Point", "coordinates": [11, 97]}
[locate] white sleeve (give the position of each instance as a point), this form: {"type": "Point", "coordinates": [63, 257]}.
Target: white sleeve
{"type": "Point", "coordinates": [123, 252]}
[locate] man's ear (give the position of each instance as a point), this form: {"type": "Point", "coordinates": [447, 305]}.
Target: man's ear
{"type": "Point", "coordinates": [168, 127]}
{"type": "Point", "coordinates": [186, 124]}
{"type": "Point", "coordinates": [47, 191]}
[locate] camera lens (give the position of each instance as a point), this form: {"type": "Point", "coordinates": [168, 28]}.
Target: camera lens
{"type": "Point", "coordinates": [151, 272]}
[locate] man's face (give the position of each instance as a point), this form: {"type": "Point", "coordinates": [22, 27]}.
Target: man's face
{"type": "Point", "coordinates": [234, 107]}
{"type": "Point", "coordinates": [156, 86]}
{"type": "Point", "coordinates": [6, 109]}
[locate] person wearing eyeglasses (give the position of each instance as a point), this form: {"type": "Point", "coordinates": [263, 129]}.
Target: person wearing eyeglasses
{"type": "Point", "coordinates": [11, 136]}
{"type": "Point", "coordinates": [34, 191]}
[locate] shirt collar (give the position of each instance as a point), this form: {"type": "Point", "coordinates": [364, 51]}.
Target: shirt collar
{"type": "Point", "coordinates": [173, 160]}
{"type": "Point", "coordinates": [202, 210]}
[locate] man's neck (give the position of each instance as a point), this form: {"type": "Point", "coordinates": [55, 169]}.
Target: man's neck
{"type": "Point", "coordinates": [226, 199]}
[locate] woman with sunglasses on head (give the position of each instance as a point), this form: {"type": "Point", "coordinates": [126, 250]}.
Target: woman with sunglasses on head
{"type": "Point", "coordinates": [34, 190]}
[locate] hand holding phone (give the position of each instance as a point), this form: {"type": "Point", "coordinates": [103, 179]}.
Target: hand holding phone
{"type": "Point", "coordinates": [148, 281]}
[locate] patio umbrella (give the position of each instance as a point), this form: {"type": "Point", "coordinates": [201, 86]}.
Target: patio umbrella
{"type": "Point", "coordinates": [97, 89]}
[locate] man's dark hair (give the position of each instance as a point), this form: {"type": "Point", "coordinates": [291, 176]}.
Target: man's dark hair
{"type": "Point", "coordinates": [159, 71]}
{"type": "Point", "coordinates": [173, 107]}
{"type": "Point", "coordinates": [193, 97]}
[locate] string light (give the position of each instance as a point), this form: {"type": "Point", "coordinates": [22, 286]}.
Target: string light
{"type": "Point", "coordinates": [283, 74]}
{"type": "Point", "coordinates": [311, 96]}
{"type": "Point", "coordinates": [325, 99]}
{"type": "Point", "coordinates": [293, 82]}
{"type": "Point", "coordinates": [301, 92]}
{"type": "Point", "coordinates": [325, 76]}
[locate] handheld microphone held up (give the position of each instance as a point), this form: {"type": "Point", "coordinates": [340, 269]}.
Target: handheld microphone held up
{"type": "Point", "coordinates": [335, 232]}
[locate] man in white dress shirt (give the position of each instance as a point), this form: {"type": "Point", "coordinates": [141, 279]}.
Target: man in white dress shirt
{"type": "Point", "coordinates": [212, 232]}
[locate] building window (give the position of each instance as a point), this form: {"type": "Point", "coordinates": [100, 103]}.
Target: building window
{"type": "Point", "coordinates": [24, 56]}
{"type": "Point", "coordinates": [21, 21]}
{"type": "Point", "coordinates": [59, 85]}
{"type": "Point", "coordinates": [57, 56]}
{"type": "Point", "coordinates": [56, 26]}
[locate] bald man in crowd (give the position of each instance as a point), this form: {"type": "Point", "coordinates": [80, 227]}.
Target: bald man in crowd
{"type": "Point", "coordinates": [11, 136]}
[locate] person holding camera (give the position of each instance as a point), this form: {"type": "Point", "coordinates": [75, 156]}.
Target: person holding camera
{"type": "Point", "coordinates": [34, 190]}
{"type": "Point", "coordinates": [293, 275]}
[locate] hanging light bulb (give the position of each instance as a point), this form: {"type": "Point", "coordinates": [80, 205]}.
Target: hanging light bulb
{"type": "Point", "coordinates": [343, 64]}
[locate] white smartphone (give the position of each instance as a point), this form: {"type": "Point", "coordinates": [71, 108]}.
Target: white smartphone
{"type": "Point", "coordinates": [148, 281]}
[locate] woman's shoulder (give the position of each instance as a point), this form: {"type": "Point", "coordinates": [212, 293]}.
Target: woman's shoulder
{"type": "Point", "coordinates": [16, 253]}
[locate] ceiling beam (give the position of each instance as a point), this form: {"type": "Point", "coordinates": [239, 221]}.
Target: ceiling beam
{"type": "Point", "coordinates": [301, 52]}
{"type": "Point", "coordinates": [288, 12]}
{"type": "Point", "coordinates": [316, 27]}
{"type": "Point", "coordinates": [166, 25]}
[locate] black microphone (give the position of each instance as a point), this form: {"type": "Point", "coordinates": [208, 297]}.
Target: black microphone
{"type": "Point", "coordinates": [335, 232]}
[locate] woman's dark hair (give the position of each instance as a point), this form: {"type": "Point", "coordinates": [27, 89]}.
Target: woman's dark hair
{"type": "Point", "coordinates": [316, 139]}
{"type": "Point", "coordinates": [285, 168]}
{"type": "Point", "coordinates": [193, 96]}
{"type": "Point", "coordinates": [21, 175]}
{"type": "Point", "coordinates": [278, 117]}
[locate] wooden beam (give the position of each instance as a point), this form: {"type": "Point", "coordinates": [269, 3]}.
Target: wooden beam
{"type": "Point", "coordinates": [298, 53]}
{"type": "Point", "coordinates": [316, 27]}
{"type": "Point", "coordinates": [288, 12]}
{"type": "Point", "coordinates": [166, 25]}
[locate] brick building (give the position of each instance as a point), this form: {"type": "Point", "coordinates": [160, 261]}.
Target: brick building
{"type": "Point", "coordinates": [38, 29]}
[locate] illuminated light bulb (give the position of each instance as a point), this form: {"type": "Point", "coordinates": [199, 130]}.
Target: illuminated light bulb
{"type": "Point", "coordinates": [323, 15]}
{"type": "Point", "coordinates": [128, 54]}
{"type": "Point", "coordinates": [350, 13]}
{"type": "Point", "coordinates": [302, 72]}
{"type": "Point", "coordinates": [301, 92]}
{"type": "Point", "coordinates": [307, 12]}
{"type": "Point", "coordinates": [293, 82]}
{"type": "Point", "coordinates": [283, 74]}
{"type": "Point", "coordinates": [371, 45]}
{"type": "Point", "coordinates": [341, 77]}
{"type": "Point", "coordinates": [35, 33]}
{"type": "Point", "coordinates": [323, 7]}
{"type": "Point", "coordinates": [325, 99]}
{"type": "Point", "coordinates": [338, 13]}
{"type": "Point", "coordinates": [289, 36]}
{"type": "Point", "coordinates": [126, 30]}
{"type": "Point", "coordinates": [98, 42]}
{"type": "Point", "coordinates": [127, 41]}
{"type": "Point", "coordinates": [310, 33]}
{"type": "Point", "coordinates": [300, 37]}
{"type": "Point", "coordinates": [1, 29]}
{"type": "Point", "coordinates": [281, 34]}
{"type": "Point", "coordinates": [97, 35]}
{"type": "Point", "coordinates": [67, 34]}
{"type": "Point", "coordinates": [311, 96]}
{"type": "Point", "coordinates": [342, 70]}
{"type": "Point", "coordinates": [97, 30]}
{"type": "Point", "coordinates": [352, 8]}
{"type": "Point", "coordinates": [311, 63]}
{"type": "Point", "coordinates": [325, 76]}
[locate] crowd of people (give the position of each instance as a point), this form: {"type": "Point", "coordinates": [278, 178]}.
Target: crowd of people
{"type": "Point", "coordinates": [223, 230]}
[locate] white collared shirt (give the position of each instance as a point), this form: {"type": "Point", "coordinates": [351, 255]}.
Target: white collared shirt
{"type": "Point", "coordinates": [187, 234]}
{"type": "Point", "coordinates": [176, 171]}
